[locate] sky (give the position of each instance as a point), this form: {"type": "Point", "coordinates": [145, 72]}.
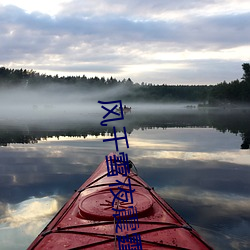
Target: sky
{"type": "Point", "coordinates": [153, 41]}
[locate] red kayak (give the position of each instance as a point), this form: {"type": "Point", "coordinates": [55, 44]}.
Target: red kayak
{"type": "Point", "coordinates": [116, 209]}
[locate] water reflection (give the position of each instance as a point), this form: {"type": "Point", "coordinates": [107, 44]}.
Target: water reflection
{"type": "Point", "coordinates": [29, 210]}
{"type": "Point", "coordinates": [20, 222]}
{"type": "Point", "coordinates": [234, 121]}
{"type": "Point", "coordinates": [193, 161]}
{"type": "Point", "coordinates": [211, 192]}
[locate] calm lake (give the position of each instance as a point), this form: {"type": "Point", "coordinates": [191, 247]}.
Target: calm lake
{"type": "Point", "coordinates": [198, 160]}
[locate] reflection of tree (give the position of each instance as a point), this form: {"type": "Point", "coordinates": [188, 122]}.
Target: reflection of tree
{"type": "Point", "coordinates": [16, 137]}
{"type": "Point", "coordinates": [234, 121]}
{"type": "Point", "coordinates": [246, 141]}
{"type": "Point", "coordinates": [19, 134]}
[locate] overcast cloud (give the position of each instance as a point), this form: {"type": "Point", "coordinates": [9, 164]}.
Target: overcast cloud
{"type": "Point", "coordinates": [160, 41]}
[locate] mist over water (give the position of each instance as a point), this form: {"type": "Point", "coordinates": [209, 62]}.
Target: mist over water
{"type": "Point", "coordinates": [55, 102]}
{"type": "Point", "coordinates": [191, 156]}
{"type": "Point", "coordinates": [60, 102]}
{"type": "Point", "coordinates": [59, 107]}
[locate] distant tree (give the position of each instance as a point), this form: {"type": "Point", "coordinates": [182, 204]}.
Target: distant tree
{"type": "Point", "coordinates": [130, 82]}
{"type": "Point", "coordinates": [246, 69]}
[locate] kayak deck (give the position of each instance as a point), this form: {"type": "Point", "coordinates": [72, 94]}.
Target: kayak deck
{"type": "Point", "coordinates": [87, 219]}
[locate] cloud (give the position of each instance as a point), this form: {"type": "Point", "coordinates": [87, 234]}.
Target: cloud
{"type": "Point", "coordinates": [147, 9]}
{"type": "Point", "coordinates": [91, 37]}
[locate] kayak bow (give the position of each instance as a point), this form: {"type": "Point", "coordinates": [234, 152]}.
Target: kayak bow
{"type": "Point", "coordinates": [88, 221]}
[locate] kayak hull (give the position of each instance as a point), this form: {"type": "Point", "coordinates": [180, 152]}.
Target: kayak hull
{"type": "Point", "coordinates": [86, 221]}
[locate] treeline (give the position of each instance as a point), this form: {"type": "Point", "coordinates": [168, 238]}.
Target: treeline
{"type": "Point", "coordinates": [237, 91]}
{"type": "Point", "coordinates": [234, 92]}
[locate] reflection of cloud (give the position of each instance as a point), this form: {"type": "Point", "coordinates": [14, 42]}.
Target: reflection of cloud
{"type": "Point", "coordinates": [199, 144]}
{"type": "Point", "coordinates": [228, 203]}
{"type": "Point", "coordinates": [153, 144]}
{"type": "Point", "coordinates": [221, 218]}
{"type": "Point", "coordinates": [22, 222]}
{"type": "Point", "coordinates": [223, 156]}
{"type": "Point", "coordinates": [29, 213]}
{"type": "Point", "coordinates": [220, 240]}
{"type": "Point", "coordinates": [169, 153]}
{"type": "Point", "coordinates": [2, 209]}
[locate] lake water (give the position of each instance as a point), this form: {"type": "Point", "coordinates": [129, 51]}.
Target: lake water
{"type": "Point", "coordinates": [193, 158]}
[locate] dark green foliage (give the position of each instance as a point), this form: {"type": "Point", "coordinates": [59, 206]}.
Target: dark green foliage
{"type": "Point", "coordinates": [222, 93]}
{"type": "Point", "coordinates": [246, 75]}
{"type": "Point", "coordinates": [234, 92]}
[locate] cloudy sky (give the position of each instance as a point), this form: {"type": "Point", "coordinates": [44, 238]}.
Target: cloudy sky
{"type": "Point", "coordinates": [157, 41]}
